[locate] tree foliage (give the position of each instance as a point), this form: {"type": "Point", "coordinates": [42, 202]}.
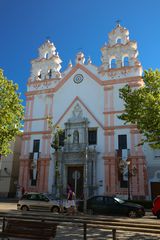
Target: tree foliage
{"type": "Point", "coordinates": [142, 107]}
{"type": "Point", "coordinates": [57, 132]}
{"type": "Point", "coordinates": [11, 113]}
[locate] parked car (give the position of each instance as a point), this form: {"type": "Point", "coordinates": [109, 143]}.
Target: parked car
{"type": "Point", "coordinates": [112, 206]}
{"type": "Point", "coordinates": [38, 201]}
{"type": "Point", "coordinates": [156, 207]}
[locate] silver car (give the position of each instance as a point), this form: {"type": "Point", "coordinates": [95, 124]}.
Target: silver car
{"type": "Point", "coordinates": [38, 201]}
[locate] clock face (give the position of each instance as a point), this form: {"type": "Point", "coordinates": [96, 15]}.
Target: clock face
{"type": "Point", "coordinates": [78, 78]}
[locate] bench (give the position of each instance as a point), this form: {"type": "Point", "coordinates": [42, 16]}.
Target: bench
{"type": "Point", "coordinates": [28, 229]}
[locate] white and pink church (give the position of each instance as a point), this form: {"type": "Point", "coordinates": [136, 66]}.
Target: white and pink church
{"type": "Point", "coordinates": [97, 153]}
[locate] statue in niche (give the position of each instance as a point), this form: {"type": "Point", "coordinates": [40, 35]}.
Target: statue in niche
{"type": "Point", "coordinates": [76, 137]}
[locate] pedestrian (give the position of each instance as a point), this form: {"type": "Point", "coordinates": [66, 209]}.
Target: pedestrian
{"type": "Point", "coordinates": [23, 191]}
{"type": "Point", "coordinates": [71, 206]}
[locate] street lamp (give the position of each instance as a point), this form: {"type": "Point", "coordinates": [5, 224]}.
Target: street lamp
{"type": "Point", "coordinates": [130, 173]}
{"type": "Point", "coordinates": [56, 132]}
{"type": "Point", "coordinates": [85, 180]}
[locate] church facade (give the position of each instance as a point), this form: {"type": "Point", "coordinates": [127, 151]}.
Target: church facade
{"type": "Point", "coordinates": [96, 153]}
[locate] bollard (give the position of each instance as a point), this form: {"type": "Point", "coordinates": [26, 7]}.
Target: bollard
{"type": "Point", "coordinates": [114, 234]}
{"type": "Point", "coordinates": [85, 231]}
{"type": "Point", "coordinates": [3, 224]}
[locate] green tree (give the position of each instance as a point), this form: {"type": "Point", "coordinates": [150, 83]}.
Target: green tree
{"type": "Point", "coordinates": [142, 107]}
{"type": "Point", "coordinates": [11, 113]}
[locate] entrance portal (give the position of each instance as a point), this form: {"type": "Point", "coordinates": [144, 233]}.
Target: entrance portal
{"type": "Point", "coordinates": [75, 178]}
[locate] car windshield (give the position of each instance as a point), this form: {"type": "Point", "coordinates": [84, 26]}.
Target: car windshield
{"type": "Point", "coordinates": [119, 200]}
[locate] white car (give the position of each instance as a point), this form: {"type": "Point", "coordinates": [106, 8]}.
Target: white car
{"type": "Point", "coordinates": [38, 201]}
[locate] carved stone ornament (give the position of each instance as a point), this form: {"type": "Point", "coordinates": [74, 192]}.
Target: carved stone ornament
{"type": "Point", "coordinates": [78, 78]}
{"type": "Point", "coordinates": [77, 112]}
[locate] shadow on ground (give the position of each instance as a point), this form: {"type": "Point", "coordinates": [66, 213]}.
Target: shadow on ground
{"type": "Point", "coordinates": [76, 233]}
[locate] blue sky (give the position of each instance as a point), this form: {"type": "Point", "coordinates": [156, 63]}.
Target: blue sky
{"type": "Point", "coordinates": [73, 26]}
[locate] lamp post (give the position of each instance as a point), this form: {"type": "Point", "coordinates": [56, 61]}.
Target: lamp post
{"type": "Point", "coordinates": [57, 174]}
{"type": "Point", "coordinates": [85, 180]}
{"type": "Point", "coordinates": [56, 131]}
{"type": "Point", "coordinates": [130, 173]}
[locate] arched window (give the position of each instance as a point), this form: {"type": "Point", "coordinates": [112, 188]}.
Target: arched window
{"type": "Point", "coordinates": [119, 40]}
{"type": "Point", "coordinates": [125, 61]}
{"type": "Point", "coordinates": [113, 63]}
{"type": "Point", "coordinates": [46, 55]}
{"type": "Point", "coordinates": [50, 73]}
{"type": "Point", "coordinates": [39, 75]}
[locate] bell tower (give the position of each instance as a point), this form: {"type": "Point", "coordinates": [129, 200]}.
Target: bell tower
{"type": "Point", "coordinates": [47, 65]}
{"type": "Point", "coordinates": [120, 51]}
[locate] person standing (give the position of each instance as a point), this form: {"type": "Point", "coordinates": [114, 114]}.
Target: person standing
{"type": "Point", "coordinates": [71, 206]}
{"type": "Point", "coordinates": [23, 191]}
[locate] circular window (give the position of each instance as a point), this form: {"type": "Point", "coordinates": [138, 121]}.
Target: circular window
{"type": "Point", "coordinates": [78, 78]}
